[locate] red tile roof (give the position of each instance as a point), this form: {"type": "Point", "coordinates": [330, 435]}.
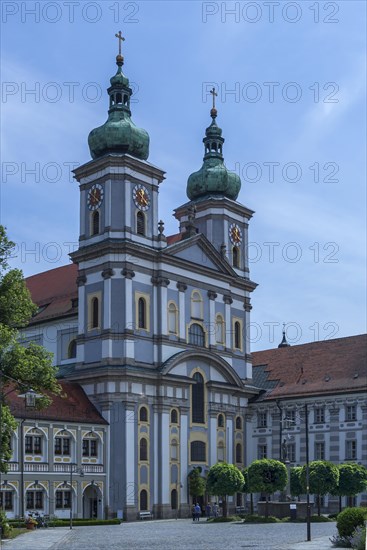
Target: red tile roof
{"type": "Point", "coordinates": [74, 406]}
{"type": "Point", "coordinates": [53, 291]}
{"type": "Point", "coordinates": [330, 366]}
{"type": "Point", "coordinates": [172, 239]}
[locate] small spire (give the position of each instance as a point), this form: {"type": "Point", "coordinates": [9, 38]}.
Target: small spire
{"type": "Point", "coordinates": [190, 229]}
{"type": "Point", "coordinates": [161, 235]}
{"type": "Point", "coordinates": [119, 57]}
{"type": "Point", "coordinates": [213, 111]}
{"type": "Point", "coordinates": [284, 343]}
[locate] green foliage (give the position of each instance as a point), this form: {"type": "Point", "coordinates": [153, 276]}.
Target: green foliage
{"type": "Point", "coordinates": [196, 482]}
{"type": "Point", "coordinates": [6, 528]}
{"type": "Point", "coordinates": [349, 520]}
{"type": "Point", "coordinates": [297, 488]}
{"type": "Point", "coordinates": [22, 367]}
{"type": "Point", "coordinates": [224, 519]}
{"type": "Point", "coordinates": [358, 538]}
{"type": "Point", "coordinates": [267, 475]}
{"type": "Point", "coordinates": [352, 480]}
{"type": "Point", "coordinates": [323, 478]}
{"type": "Point", "coordinates": [224, 479]}
{"type": "Point", "coordinates": [254, 518]}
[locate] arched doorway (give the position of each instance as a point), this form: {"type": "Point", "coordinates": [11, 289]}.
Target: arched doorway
{"type": "Point", "coordinates": [92, 502]}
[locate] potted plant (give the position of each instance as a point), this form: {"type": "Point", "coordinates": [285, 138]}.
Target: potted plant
{"type": "Point", "coordinates": [30, 523]}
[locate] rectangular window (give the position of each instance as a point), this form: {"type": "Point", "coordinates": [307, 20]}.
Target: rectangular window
{"type": "Point", "coordinates": [6, 500]}
{"type": "Point", "coordinates": [90, 447]}
{"type": "Point", "coordinates": [319, 415]}
{"type": "Point", "coordinates": [34, 500]}
{"type": "Point", "coordinates": [262, 419]}
{"type": "Point", "coordinates": [198, 451]}
{"type": "Point", "coordinates": [63, 499]}
{"type": "Point", "coordinates": [290, 419]}
{"type": "Point", "coordinates": [291, 452]}
{"type": "Point", "coordinates": [320, 451]}
{"type": "Point", "coordinates": [351, 450]}
{"type": "Point", "coordinates": [261, 451]}
{"type": "Point", "coordinates": [33, 444]}
{"type": "Point", "coordinates": [350, 413]}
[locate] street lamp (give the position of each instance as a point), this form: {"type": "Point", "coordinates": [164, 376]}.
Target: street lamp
{"type": "Point", "coordinates": [74, 469]}
{"type": "Point", "coordinates": [30, 397]}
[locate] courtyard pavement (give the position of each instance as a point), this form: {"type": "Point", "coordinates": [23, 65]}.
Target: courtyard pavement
{"type": "Point", "coordinates": [177, 535]}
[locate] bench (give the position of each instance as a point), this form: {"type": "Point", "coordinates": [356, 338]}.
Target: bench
{"type": "Point", "coordinates": [145, 515]}
{"type": "Point", "coordinates": [240, 509]}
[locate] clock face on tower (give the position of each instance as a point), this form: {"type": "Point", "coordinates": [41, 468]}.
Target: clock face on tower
{"type": "Point", "coordinates": [141, 197]}
{"type": "Point", "coordinates": [235, 234]}
{"type": "Point", "coordinates": [95, 196]}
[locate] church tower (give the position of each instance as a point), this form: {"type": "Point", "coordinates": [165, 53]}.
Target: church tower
{"type": "Point", "coordinates": [213, 191]}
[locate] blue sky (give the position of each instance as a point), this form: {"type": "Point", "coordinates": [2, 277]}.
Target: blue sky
{"type": "Point", "coordinates": [291, 103]}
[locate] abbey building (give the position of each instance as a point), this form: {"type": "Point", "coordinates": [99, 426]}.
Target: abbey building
{"type": "Point", "coordinates": [151, 336]}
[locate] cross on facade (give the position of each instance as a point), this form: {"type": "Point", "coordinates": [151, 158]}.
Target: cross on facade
{"type": "Point", "coordinates": [121, 39]}
{"type": "Point", "coordinates": [214, 94]}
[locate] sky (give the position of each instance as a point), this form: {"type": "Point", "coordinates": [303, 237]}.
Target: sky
{"type": "Point", "coordinates": [291, 83]}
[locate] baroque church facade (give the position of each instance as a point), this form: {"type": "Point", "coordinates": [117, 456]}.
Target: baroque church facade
{"type": "Point", "coordinates": [153, 332]}
{"type": "Point", "coordinates": [160, 335]}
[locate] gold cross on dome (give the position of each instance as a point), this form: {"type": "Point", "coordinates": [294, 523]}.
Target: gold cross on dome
{"type": "Point", "coordinates": [214, 94]}
{"type": "Point", "coordinates": [121, 39]}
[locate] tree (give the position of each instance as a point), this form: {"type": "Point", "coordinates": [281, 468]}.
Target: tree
{"type": "Point", "coordinates": [323, 479]}
{"type": "Point", "coordinates": [267, 476]}
{"type": "Point", "coordinates": [196, 483]}
{"type": "Point", "coordinates": [21, 367]}
{"type": "Point", "coordinates": [297, 489]}
{"type": "Point", "coordinates": [224, 480]}
{"type": "Point", "coordinates": [352, 480]}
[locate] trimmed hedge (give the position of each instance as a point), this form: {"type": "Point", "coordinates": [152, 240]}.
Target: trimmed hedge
{"type": "Point", "coordinates": [349, 519]}
{"type": "Point", "coordinates": [260, 519]}
{"type": "Point", "coordinates": [65, 522]}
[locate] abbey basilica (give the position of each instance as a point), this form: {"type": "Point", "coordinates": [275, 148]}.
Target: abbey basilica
{"type": "Point", "coordinates": [151, 336]}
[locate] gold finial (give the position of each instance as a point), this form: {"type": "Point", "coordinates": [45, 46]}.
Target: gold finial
{"type": "Point", "coordinates": [121, 39]}
{"type": "Point", "coordinates": [213, 111]}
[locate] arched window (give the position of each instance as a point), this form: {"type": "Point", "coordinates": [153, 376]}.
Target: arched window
{"type": "Point", "coordinates": [220, 421]}
{"type": "Point", "coordinates": [72, 349]}
{"type": "Point", "coordinates": [238, 453]}
{"type": "Point", "coordinates": [198, 451]}
{"type": "Point", "coordinates": [143, 414]}
{"type": "Point", "coordinates": [196, 305]}
{"type": "Point", "coordinates": [140, 223]}
{"type": "Point", "coordinates": [174, 449]}
{"type": "Point", "coordinates": [95, 313]}
{"type": "Point", "coordinates": [172, 318]}
{"type": "Point", "coordinates": [143, 449]}
{"type": "Point", "coordinates": [174, 416]}
{"type": "Point", "coordinates": [6, 497]}
{"type": "Point", "coordinates": [235, 257]}
{"type": "Point", "coordinates": [142, 313]}
{"type": "Point", "coordinates": [220, 451]}
{"type": "Point", "coordinates": [197, 410]}
{"type": "Point", "coordinates": [237, 335]}
{"type": "Point", "coordinates": [95, 223]}
{"type": "Point", "coordinates": [143, 500]}
{"type": "Point", "coordinates": [219, 329]}
{"type": "Point", "coordinates": [238, 423]}
{"type": "Point", "coordinates": [174, 499]}
{"type": "Point", "coordinates": [196, 335]}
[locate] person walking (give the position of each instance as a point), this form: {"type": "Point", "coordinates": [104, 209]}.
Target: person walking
{"type": "Point", "coordinates": [215, 510]}
{"type": "Point", "coordinates": [208, 511]}
{"type": "Point", "coordinates": [197, 512]}
{"type": "Point", "coordinates": [193, 512]}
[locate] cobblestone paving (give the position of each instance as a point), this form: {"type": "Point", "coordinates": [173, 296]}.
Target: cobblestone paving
{"type": "Point", "coordinates": [177, 535]}
{"type": "Point", "coordinates": [183, 534]}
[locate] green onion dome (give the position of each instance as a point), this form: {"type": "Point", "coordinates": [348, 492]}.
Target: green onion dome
{"type": "Point", "coordinates": [213, 178]}
{"type": "Point", "coordinates": [119, 135]}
